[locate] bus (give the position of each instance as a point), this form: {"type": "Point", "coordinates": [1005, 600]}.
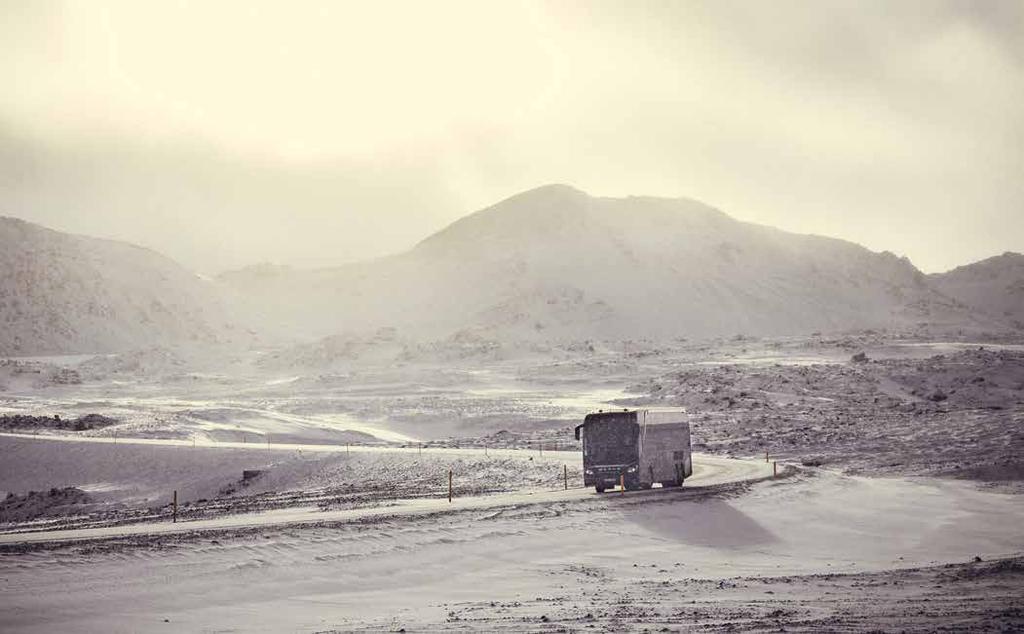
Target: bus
{"type": "Point", "coordinates": [635, 449]}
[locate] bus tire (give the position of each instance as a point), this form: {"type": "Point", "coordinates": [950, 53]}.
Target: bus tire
{"type": "Point", "coordinates": [599, 489]}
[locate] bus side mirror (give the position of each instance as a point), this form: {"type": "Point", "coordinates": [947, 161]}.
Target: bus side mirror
{"type": "Point", "coordinates": [578, 428]}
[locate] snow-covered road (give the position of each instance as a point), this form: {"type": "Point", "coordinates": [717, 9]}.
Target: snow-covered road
{"type": "Point", "coordinates": [385, 569]}
{"type": "Point", "coordinates": [708, 471]}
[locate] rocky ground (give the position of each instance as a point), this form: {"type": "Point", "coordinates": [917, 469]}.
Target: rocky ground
{"type": "Point", "coordinates": [949, 416]}
{"type": "Point", "coordinates": [865, 404]}
{"type": "Point", "coordinates": [959, 414]}
{"type": "Point", "coordinates": [978, 596]}
{"type": "Point", "coordinates": [37, 504]}
{"type": "Point", "coordinates": [28, 423]}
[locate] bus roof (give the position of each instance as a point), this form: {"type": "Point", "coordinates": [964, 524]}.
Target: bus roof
{"type": "Point", "coordinates": [652, 415]}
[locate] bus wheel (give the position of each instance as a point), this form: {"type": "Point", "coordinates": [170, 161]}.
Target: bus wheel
{"type": "Point", "coordinates": [599, 489]}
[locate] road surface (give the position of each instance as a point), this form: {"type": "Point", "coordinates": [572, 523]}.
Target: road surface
{"type": "Point", "coordinates": [709, 471]}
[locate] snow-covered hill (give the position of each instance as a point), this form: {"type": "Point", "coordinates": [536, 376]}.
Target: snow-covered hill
{"type": "Point", "coordinates": [556, 263]}
{"type": "Point", "coordinates": [993, 286]}
{"type": "Point", "coordinates": [551, 264]}
{"type": "Point", "coordinates": [62, 293]}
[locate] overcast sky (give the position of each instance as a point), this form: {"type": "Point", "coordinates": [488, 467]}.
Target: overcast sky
{"type": "Point", "coordinates": [308, 133]}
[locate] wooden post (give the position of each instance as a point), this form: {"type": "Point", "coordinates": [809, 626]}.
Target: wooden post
{"type": "Point", "coordinates": [565, 473]}
{"type": "Point", "coordinates": [622, 484]}
{"type": "Point", "coordinates": [449, 486]}
{"type": "Point", "coordinates": [175, 520]}
{"type": "Point", "coordinates": [775, 469]}
{"type": "Point", "coordinates": [766, 456]}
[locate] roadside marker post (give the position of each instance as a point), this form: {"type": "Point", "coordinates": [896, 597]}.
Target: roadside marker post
{"type": "Point", "coordinates": [175, 517]}
{"type": "Point", "coordinates": [775, 469]}
{"type": "Point", "coordinates": [766, 456]}
{"type": "Point", "coordinates": [565, 473]}
{"type": "Point", "coordinates": [449, 486]}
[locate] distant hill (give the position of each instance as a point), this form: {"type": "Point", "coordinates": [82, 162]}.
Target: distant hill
{"type": "Point", "coordinates": [550, 264]}
{"type": "Point", "coordinates": [556, 263]}
{"type": "Point", "coordinates": [994, 286]}
{"type": "Point", "coordinates": [62, 293]}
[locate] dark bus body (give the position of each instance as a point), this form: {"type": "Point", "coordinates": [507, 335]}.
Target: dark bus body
{"type": "Point", "coordinates": [636, 448]}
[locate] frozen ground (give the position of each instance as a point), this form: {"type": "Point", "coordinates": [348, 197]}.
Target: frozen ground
{"type": "Point", "coordinates": [391, 404]}
{"type": "Point", "coordinates": [132, 480]}
{"type": "Point", "coordinates": [813, 551]}
{"type": "Point", "coordinates": [880, 529]}
{"type": "Point", "coordinates": [959, 413]}
{"type": "Point", "coordinates": [538, 483]}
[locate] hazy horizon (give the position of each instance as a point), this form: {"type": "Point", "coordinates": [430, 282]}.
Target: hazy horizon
{"type": "Point", "coordinates": [228, 134]}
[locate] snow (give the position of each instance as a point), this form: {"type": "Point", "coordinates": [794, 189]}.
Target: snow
{"type": "Point", "coordinates": [384, 568]}
{"type": "Point", "coordinates": [710, 471]}
{"type": "Point", "coordinates": [500, 332]}
{"type": "Point", "coordinates": [335, 537]}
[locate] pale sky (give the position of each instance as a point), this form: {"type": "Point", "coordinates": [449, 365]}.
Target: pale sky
{"type": "Point", "coordinates": [315, 133]}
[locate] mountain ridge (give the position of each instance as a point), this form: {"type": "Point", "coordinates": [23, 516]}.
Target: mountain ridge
{"type": "Point", "coordinates": [585, 257]}
{"type": "Point", "coordinates": [62, 293]}
{"type": "Point", "coordinates": [548, 263]}
{"type": "Point", "coordinates": [992, 286]}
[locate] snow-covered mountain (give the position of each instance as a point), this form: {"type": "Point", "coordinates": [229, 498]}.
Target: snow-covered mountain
{"type": "Point", "coordinates": [556, 263]}
{"type": "Point", "coordinates": [992, 286]}
{"type": "Point", "coordinates": [551, 263]}
{"type": "Point", "coordinates": [62, 293]}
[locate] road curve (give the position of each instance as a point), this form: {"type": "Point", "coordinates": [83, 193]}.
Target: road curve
{"type": "Point", "coordinates": [708, 471]}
